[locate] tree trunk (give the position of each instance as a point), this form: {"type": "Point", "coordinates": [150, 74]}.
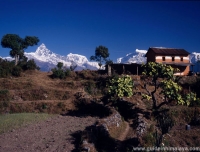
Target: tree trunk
{"type": "Point", "coordinates": [153, 97]}
{"type": "Point", "coordinates": [16, 59]}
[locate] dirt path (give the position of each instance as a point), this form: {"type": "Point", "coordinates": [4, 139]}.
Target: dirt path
{"type": "Point", "coordinates": [52, 135]}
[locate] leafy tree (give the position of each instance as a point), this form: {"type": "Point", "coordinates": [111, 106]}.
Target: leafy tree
{"type": "Point", "coordinates": [120, 87]}
{"type": "Point", "coordinates": [18, 44]}
{"type": "Point", "coordinates": [101, 53]}
{"type": "Point", "coordinates": [108, 61]}
{"type": "Point", "coordinates": [170, 89]}
{"type": "Point", "coordinates": [60, 65]}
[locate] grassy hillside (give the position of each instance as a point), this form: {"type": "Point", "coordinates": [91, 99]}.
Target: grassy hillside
{"type": "Point", "coordinates": [36, 91]}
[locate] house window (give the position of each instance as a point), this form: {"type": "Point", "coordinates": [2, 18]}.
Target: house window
{"type": "Point", "coordinates": [181, 58]}
{"type": "Point", "coordinates": [172, 58]}
{"type": "Point", "coordinates": [163, 58]}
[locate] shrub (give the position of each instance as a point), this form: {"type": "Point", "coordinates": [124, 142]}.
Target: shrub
{"type": "Point", "coordinates": [90, 87]}
{"type": "Point", "coordinates": [59, 65]}
{"type": "Point", "coordinates": [16, 71]}
{"type": "Point", "coordinates": [31, 65]}
{"type": "Point", "coordinates": [4, 100]}
{"type": "Point", "coordinates": [4, 95]}
{"type": "Point", "coordinates": [6, 68]}
{"type": "Point", "coordinates": [58, 73]}
{"type": "Point", "coordinates": [67, 72]}
{"type": "Point", "coordinates": [121, 87]}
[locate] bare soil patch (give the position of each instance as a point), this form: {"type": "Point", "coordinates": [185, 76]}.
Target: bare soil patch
{"type": "Point", "coordinates": [54, 134]}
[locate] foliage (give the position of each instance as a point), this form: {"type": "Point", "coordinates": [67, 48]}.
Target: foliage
{"type": "Point", "coordinates": [145, 96]}
{"type": "Point", "coordinates": [158, 70]}
{"type": "Point", "coordinates": [170, 89]}
{"type": "Point", "coordinates": [8, 68]}
{"type": "Point", "coordinates": [90, 87]}
{"type": "Point", "coordinates": [5, 68]}
{"type": "Point", "coordinates": [101, 53]}
{"type": "Point", "coordinates": [4, 95]}
{"type": "Point", "coordinates": [165, 122]}
{"type": "Point", "coordinates": [16, 71]}
{"type": "Point", "coordinates": [60, 72]}
{"type": "Point", "coordinates": [59, 65]}
{"type": "Point", "coordinates": [18, 44]}
{"type": "Point", "coordinates": [191, 99]}
{"type": "Point", "coordinates": [121, 87]}
{"type": "Point", "coordinates": [73, 66]}
{"type": "Point", "coordinates": [31, 65]}
{"type": "Point", "coordinates": [108, 61]}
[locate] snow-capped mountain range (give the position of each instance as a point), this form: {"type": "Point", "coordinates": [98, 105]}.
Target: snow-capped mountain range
{"type": "Point", "coordinates": [47, 60]}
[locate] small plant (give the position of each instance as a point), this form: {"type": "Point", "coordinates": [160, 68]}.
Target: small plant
{"type": "Point", "coordinates": [90, 87]}
{"type": "Point", "coordinates": [60, 104]}
{"type": "Point", "coordinates": [44, 106]}
{"type": "Point", "coordinates": [165, 122]}
{"type": "Point", "coordinates": [145, 96]}
{"type": "Point", "coordinates": [65, 96]}
{"type": "Point", "coordinates": [4, 95]}
{"type": "Point", "coordinates": [191, 99]}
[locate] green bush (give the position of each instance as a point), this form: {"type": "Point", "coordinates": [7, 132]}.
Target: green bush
{"type": "Point", "coordinates": [16, 71]}
{"type": "Point", "coordinates": [90, 87]}
{"type": "Point", "coordinates": [31, 65]}
{"type": "Point", "coordinates": [6, 68]}
{"type": "Point", "coordinates": [4, 99]}
{"type": "Point", "coordinates": [58, 73]}
{"type": "Point", "coordinates": [4, 95]}
{"type": "Point", "coordinates": [121, 87]}
{"type": "Point", "coordinates": [67, 72]}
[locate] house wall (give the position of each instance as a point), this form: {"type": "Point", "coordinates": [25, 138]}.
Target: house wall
{"type": "Point", "coordinates": [150, 56]}
{"type": "Point", "coordinates": [177, 59]}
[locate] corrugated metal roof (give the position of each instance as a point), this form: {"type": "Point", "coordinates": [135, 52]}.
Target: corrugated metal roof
{"type": "Point", "coordinates": [169, 51]}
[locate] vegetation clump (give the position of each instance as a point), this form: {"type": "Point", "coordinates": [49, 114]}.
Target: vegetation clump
{"type": "Point", "coordinates": [120, 87]}
{"type": "Point", "coordinates": [101, 55]}
{"type": "Point", "coordinates": [60, 72]}
{"type": "Point", "coordinates": [169, 88]}
{"type": "Point", "coordinates": [8, 68]}
{"type": "Point", "coordinates": [18, 44]}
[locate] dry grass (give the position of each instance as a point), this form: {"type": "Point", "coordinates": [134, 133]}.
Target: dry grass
{"type": "Point", "coordinates": [14, 121]}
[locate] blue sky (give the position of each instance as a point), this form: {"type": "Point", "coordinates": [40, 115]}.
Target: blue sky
{"type": "Point", "coordinates": [79, 26]}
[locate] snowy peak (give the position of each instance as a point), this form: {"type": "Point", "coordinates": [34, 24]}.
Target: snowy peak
{"type": "Point", "coordinates": [47, 60]}
{"type": "Point", "coordinates": [42, 50]}
{"type": "Point", "coordinates": [137, 57]}
{"type": "Point", "coordinates": [76, 58]}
